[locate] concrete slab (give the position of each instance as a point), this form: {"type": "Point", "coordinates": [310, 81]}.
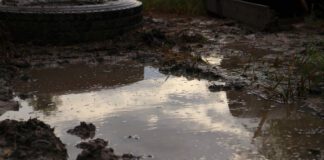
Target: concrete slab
{"type": "Point", "coordinates": [257, 16]}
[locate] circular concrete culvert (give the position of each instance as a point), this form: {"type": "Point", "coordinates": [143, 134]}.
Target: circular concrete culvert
{"type": "Point", "coordinates": [66, 21]}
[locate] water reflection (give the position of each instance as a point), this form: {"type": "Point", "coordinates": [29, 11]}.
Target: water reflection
{"type": "Point", "coordinates": [77, 78]}
{"type": "Point", "coordinates": [175, 118]}
{"type": "Point", "coordinates": [282, 131]}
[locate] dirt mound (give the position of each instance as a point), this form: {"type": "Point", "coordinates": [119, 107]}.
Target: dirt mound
{"type": "Point", "coordinates": [30, 140]}
{"type": "Point", "coordinates": [97, 150]}
{"type": "Point", "coordinates": [84, 130]}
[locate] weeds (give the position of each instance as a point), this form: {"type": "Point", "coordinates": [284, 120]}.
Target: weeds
{"type": "Point", "coordinates": [191, 7]}
{"type": "Point", "coordinates": [303, 75]}
{"type": "Point", "coordinates": [311, 67]}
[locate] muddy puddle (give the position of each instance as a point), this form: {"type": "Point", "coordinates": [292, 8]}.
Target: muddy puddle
{"type": "Point", "coordinates": [163, 117]}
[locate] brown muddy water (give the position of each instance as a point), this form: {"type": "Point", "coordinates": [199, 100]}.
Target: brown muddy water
{"type": "Point", "coordinates": [163, 117]}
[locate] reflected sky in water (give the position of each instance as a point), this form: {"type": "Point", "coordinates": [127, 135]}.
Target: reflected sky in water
{"type": "Point", "coordinates": [173, 117]}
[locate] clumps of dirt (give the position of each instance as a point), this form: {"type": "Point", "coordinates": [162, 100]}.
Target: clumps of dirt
{"type": "Point", "coordinates": [192, 37]}
{"type": "Point", "coordinates": [236, 85]}
{"type": "Point", "coordinates": [84, 130]}
{"type": "Point", "coordinates": [97, 150]}
{"type": "Point", "coordinates": [155, 37]}
{"type": "Point", "coordinates": [7, 72]}
{"type": "Point", "coordinates": [29, 140]}
{"type": "Point", "coordinates": [187, 65]}
{"type": "Point", "coordinates": [189, 69]}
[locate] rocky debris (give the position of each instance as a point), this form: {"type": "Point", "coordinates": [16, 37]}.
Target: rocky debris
{"type": "Point", "coordinates": [84, 130]}
{"type": "Point", "coordinates": [97, 150]}
{"type": "Point", "coordinates": [30, 140]}
{"type": "Point", "coordinates": [8, 106]}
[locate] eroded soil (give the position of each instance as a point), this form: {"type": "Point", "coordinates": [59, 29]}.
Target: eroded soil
{"type": "Point", "coordinates": [205, 58]}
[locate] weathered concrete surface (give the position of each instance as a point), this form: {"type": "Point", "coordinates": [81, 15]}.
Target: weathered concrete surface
{"type": "Point", "coordinates": [255, 15]}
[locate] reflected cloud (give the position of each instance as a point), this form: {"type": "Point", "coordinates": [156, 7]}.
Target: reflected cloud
{"type": "Point", "coordinates": [179, 98]}
{"type": "Point", "coordinates": [213, 116]}
{"type": "Point", "coordinates": [174, 104]}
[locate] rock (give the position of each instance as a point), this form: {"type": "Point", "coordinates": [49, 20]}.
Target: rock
{"type": "Point", "coordinates": [30, 140]}
{"type": "Point", "coordinates": [93, 145]}
{"type": "Point", "coordinates": [96, 150]}
{"type": "Point", "coordinates": [84, 130]}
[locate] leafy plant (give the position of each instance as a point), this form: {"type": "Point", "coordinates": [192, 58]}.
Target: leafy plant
{"type": "Point", "coordinates": [311, 66]}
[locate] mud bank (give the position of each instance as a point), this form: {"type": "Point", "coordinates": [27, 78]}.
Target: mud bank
{"type": "Point", "coordinates": [30, 140]}
{"type": "Point", "coordinates": [33, 140]}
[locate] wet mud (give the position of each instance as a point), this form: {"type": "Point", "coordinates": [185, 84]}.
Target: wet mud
{"type": "Point", "coordinates": [30, 140]}
{"type": "Point", "coordinates": [96, 149]}
{"type": "Point", "coordinates": [148, 86]}
{"type": "Point", "coordinates": [84, 130]}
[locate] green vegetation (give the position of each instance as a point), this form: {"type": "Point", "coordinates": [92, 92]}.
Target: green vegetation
{"type": "Point", "coordinates": [303, 75]}
{"type": "Point", "coordinates": [311, 66]}
{"type": "Point", "coordinates": [191, 7]}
